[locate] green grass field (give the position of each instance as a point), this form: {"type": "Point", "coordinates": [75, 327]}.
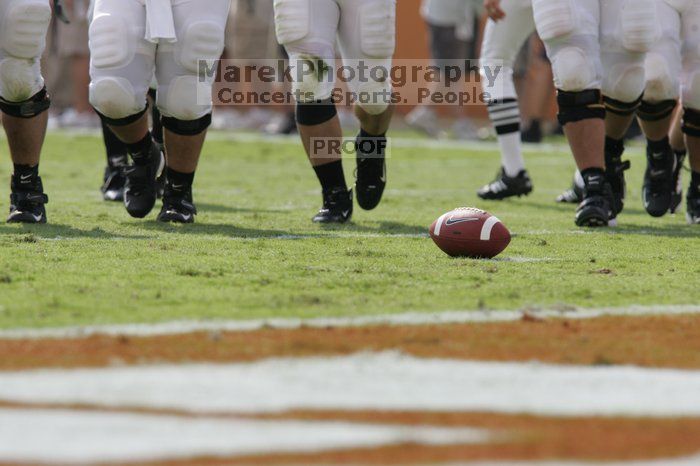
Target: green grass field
{"type": "Point", "coordinates": [254, 252]}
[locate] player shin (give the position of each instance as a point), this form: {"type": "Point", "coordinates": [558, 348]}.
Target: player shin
{"type": "Point", "coordinates": [618, 118]}
{"type": "Point", "coordinates": [657, 193]}
{"type": "Point", "coordinates": [370, 148]}
{"type": "Point", "coordinates": [184, 142]}
{"type": "Point", "coordinates": [140, 189]}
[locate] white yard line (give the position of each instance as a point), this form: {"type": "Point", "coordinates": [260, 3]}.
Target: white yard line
{"type": "Point", "coordinates": [75, 437]}
{"type": "Point", "coordinates": [387, 381]}
{"type": "Point", "coordinates": [689, 461]}
{"type": "Point", "coordinates": [410, 318]}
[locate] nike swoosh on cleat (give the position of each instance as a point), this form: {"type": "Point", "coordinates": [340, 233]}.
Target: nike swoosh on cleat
{"type": "Point", "coordinates": [345, 213]}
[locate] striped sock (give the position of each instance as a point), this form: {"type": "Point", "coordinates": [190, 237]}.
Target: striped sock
{"type": "Point", "coordinates": [505, 116]}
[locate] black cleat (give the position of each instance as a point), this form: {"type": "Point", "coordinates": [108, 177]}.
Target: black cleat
{"type": "Point", "coordinates": [693, 206]}
{"type": "Point", "coordinates": [27, 200]}
{"type": "Point", "coordinates": [677, 194]}
{"type": "Point", "coordinates": [371, 171]}
{"type": "Point", "coordinates": [337, 207]}
{"type": "Point", "coordinates": [114, 180]}
{"type": "Point", "coordinates": [658, 188]}
{"type": "Point", "coordinates": [573, 195]}
{"type": "Point", "coordinates": [504, 186]}
{"type": "Point", "coordinates": [615, 169]}
{"type": "Point", "coordinates": [596, 208]}
{"type": "Point", "coordinates": [177, 206]}
{"type": "Point", "coordinates": [141, 187]}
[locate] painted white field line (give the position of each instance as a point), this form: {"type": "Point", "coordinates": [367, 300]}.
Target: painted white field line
{"type": "Point", "coordinates": [409, 318]}
{"type": "Point", "coordinates": [74, 437]}
{"type": "Point", "coordinates": [689, 461]}
{"type": "Point", "coordinates": [386, 381]}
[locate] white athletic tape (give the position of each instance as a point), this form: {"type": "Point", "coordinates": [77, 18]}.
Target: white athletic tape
{"type": "Point", "coordinates": [440, 221]}
{"type": "Point", "coordinates": [488, 227]}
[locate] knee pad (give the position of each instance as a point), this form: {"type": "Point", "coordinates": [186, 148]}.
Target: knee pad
{"type": "Point", "coordinates": [655, 111]}
{"type": "Point", "coordinates": [374, 97]}
{"type": "Point", "coordinates": [554, 18]}
{"type": "Point", "coordinates": [691, 122]}
{"type": "Point", "coordinates": [315, 113]}
{"type": "Point", "coordinates": [29, 108]}
{"type": "Point", "coordinates": [24, 28]}
{"type": "Point", "coordinates": [115, 100]}
{"type": "Point", "coordinates": [203, 40]}
{"type": "Point", "coordinates": [621, 108]}
{"type": "Point", "coordinates": [378, 28]}
{"type": "Point", "coordinates": [624, 82]}
{"type": "Point", "coordinates": [313, 78]}
{"type": "Point", "coordinates": [109, 44]}
{"type": "Point", "coordinates": [573, 69]}
{"type": "Point", "coordinates": [185, 98]}
{"type": "Point", "coordinates": [661, 84]}
{"type": "Point", "coordinates": [20, 79]}
{"type": "Point", "coordinates": [187, 127]}
{"type": "Point", "coordinates": [640, 25]}
{"type": "Point", "coordinates": [578, 106]}
{"type": "Point", "coordinates": [292, 20]}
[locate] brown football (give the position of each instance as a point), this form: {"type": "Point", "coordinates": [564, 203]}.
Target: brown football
{"type": "Point", "coordinates": [470, 232]}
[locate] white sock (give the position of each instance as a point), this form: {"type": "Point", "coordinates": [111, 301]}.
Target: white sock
{"type": "Point", "coordinates": [511, 153]}
{"type": "Point", "coordinates": [505, 116]}
{"type": "Point", "coordinates": [578, 179]}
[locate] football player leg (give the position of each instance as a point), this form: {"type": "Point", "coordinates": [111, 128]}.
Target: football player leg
{"type": "Point", "coordinates": [628, 31]}
{"type": "Point", "coordinates": [184, 98]}
{"type": "Point", "coordinates": [502, 42]}
{"type": "Point", "coordinates": [656, 115]}
{"type": "Point", "coordinates": [691, 104]}
{"type": "Point", "coordinates": [121, 69]}
{"type": "Point", "coordinates": [117, 157]}
{"type": "Point", "coordinates": [367, 36]}
{"type": "Point", "coordinates": [570, 31]}
{"type": "Point", "coordinates": [24, 101]}
{"type": "Point", "coordinates": [309, 40]}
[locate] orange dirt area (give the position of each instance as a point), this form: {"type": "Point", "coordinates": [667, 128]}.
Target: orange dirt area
{"type": "Point", "coordinates": [519, 438]}
{"type": "Point", "coordinates": [652, 341]}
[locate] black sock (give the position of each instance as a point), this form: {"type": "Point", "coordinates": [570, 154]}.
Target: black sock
{"type": "Point", "coordinates": [614, 147]}
{"type": "Point", "coordinates": [26, 170]}
{"type": "Point", "coordinates": [331, 176]}
{"type": "Point", "coordinates": [376, 143]}
{"type": "Point", "coordinates": [179, 181]}
{"type": "Point", "coordinates": [141, 150]}
{"type": "Point", "coordinates": [593, 172]}
{"type": "Point", "coordinates": [365, 134]}
{"type": "Point", "coordinates": [662, 145]}
{"type": "Point", "coordinates": [114, 146]}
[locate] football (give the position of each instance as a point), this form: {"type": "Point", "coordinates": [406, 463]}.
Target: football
{"type": "Point", "coordinates": [470, 232]}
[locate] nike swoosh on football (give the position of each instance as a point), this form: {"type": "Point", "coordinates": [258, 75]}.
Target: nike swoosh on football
{"type": "Point", "coordinates": [452, 221]}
